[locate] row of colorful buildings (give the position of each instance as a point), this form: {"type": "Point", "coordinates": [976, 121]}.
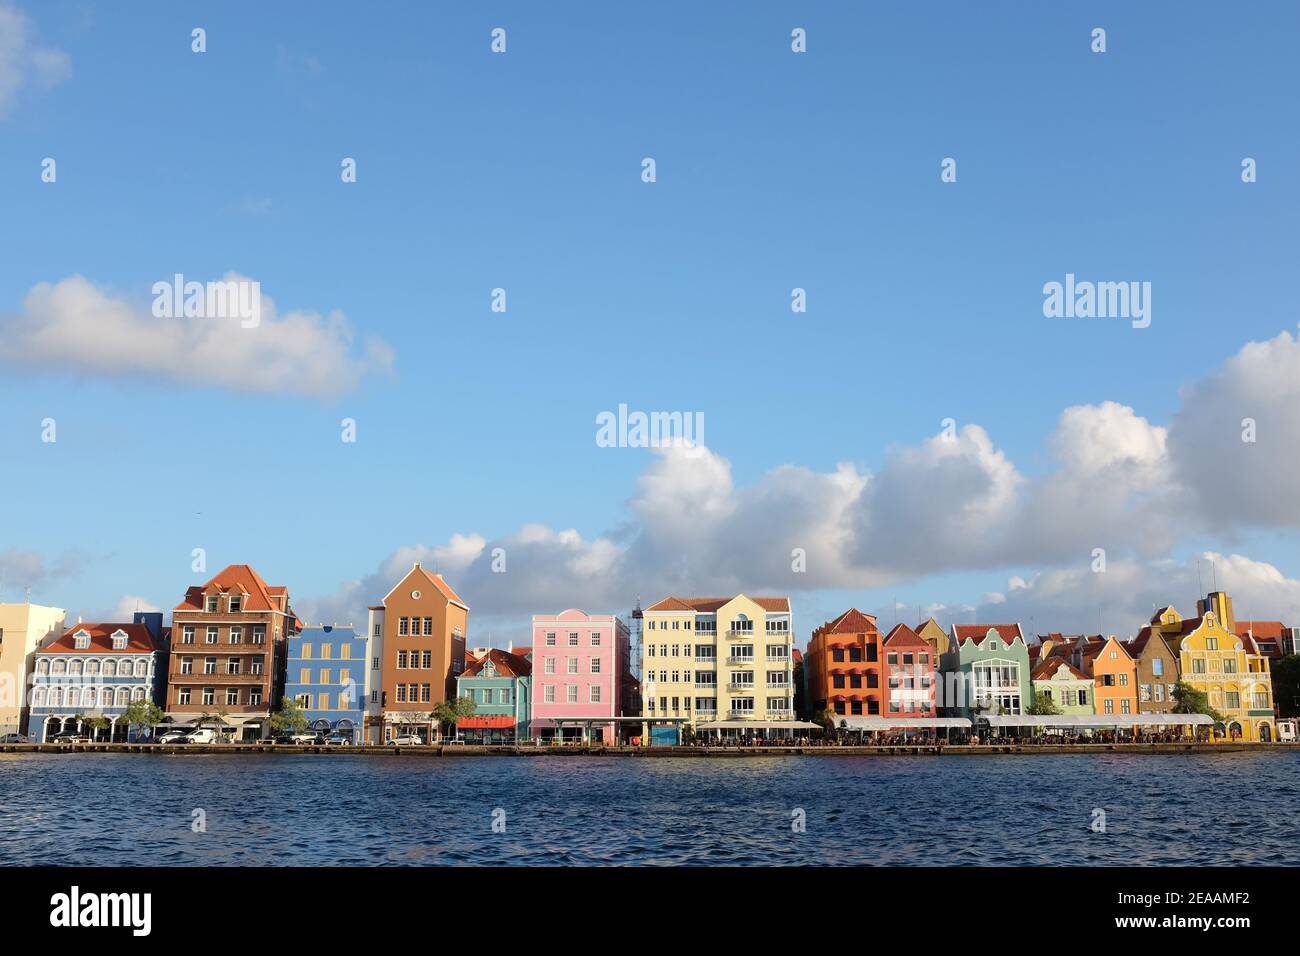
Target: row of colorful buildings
{"type": "Point", "coordinates": [994, 672]}
{"type": "Point", "coordinates": [235, 650]}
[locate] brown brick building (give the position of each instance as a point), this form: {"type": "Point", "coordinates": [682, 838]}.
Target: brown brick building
{"type": "Point", "coordinates": [228, 653]}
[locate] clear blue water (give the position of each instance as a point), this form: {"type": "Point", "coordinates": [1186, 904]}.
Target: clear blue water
{"type": "Point", "coordinates": [110, 809]}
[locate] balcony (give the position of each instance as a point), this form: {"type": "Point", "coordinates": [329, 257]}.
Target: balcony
{"type": "Point", "coordinates": [196, 679]}
{"type": "Point", "coordinates": [740, 635]}
{"type": "Point", "coordinates": [735, 714]}
{"type": "Point", "coordinates": [740, 661]}
{"type": "Point", "coordinates": [740, 687]}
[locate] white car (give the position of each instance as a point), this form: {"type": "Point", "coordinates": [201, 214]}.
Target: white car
{"type": "Point", "coordinates": [201, 736]}
{"type": "Point", "coordinates": [406, 740]}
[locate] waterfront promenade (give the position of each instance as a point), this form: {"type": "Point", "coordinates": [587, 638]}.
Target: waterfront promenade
{"type": "Point", "coordinates": [527, 750]}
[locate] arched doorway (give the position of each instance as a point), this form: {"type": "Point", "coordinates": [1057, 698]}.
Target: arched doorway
{"type": "Point", "coordinates": [1265, 733]}
{"type": "Point", "coordinates": [1234, 730]}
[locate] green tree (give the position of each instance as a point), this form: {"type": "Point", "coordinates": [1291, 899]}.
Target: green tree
{"type": "Point", "coordinates": [143, 713]}
{"type": "Point", "coordinates": [1286, 685]}
{"type": "Point", "coordinates": [449, 712]}
{"type": "Point", "coordinates": [1189, 700]}
{"type": "Point", "coordinates": [96, 723]}
{"type": "Point", "coordinates": [290, 718]}
{"type": "Point", "coordinates": [1043, 705]}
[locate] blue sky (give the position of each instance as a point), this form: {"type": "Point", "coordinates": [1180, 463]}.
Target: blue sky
{"type": "Point", "coordinates": [522, 171]}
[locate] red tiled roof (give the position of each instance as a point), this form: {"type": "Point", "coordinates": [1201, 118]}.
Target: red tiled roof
{"type": "Point", "coordinates": [707, 604]}
{"type": "Point", "coordinates": [1258, 629]}
{"type": "Point", "coordinates": [506, 663]}
{"type": "Point", "coordinates": [1048, 667]}
{"type": "Point", "coordinates": [900, 635]}
{"type": "Point", "coordinates": [851, 621]}
{"type": "Point", "coordinates": [138, 640]}
{"type": "Point", "coordinates": [978, 632]}
{"type": "Point", "coordinates": [441, 584]}
{"type": "Point", "coordinates": [239, 578]}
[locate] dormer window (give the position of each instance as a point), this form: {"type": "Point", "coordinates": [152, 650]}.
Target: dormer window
{"type": "Point", "coordinates": [236, 603]}
{"type": "Point", "coordinates": [119, 640]}
{"type": "Point", "coordinates": [211, 604]}
{"type": "Point", "coordinates": [81, 640]}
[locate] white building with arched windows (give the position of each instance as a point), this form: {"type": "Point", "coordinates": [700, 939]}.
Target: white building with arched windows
{"type": "Point", "coordinates": [95, 671]}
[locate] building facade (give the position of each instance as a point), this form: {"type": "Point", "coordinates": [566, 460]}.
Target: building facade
{"type": "Point", "coordinates": [1069, 689]}
{"type": "Point", "coordinates": [722, 661]}
{"type": "Point", "coordinates": [580, 663]}
{"type": "Point", "coordinates": [23, 628]}
{"type": "Point", "coordinates": [1213, 659]}
{"type": "Point", "coordinates": [327, 673]}
{"type": "Point", "coordinates": [500, 684]}
{"type": "Point", "coordinates": [423, 624]}
{"type": "Point", "coordinates": [1157, 671]}
{"type": "Point", "coordinates": [227, 660]}
{"type": "Point", "coordinates": [845, 666]}
{"type": "Point", "coordinates": [1113, 672]}
{"type": "Point", "coordinates": [986, 671]}
{"type": "Point", "coordinates": [909, 674]}
{"type": "Point", "coordinates": [91, 674]}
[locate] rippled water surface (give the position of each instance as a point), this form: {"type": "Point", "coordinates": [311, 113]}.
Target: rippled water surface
{"type": "Point", "coordinates": [112, 809]}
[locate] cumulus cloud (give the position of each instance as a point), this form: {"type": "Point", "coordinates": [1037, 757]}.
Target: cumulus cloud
{"type": "Point", "coordinates": [952, 502]}
{"type": "Point", "coordinates": [77, 326]}
{"type": "Point", "coordinates": [1244, 482]}
{"type": "Point", "coordinates": [31, 569]}
{"type": "Point", "coordinates": [23, 61]}
{"type": "Point", "coordinates": [1122, 599]}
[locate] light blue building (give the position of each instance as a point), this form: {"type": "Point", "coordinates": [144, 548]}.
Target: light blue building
{"type": "Point", "coordinates": [94, 671]}
{"type": "Point", "coordinates": [500, 685]}
{"type": "Point", "coordinates": [326, 674]}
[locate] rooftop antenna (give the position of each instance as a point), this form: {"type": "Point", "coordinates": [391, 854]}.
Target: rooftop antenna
{"type": "Point", "coordinates": [27, 594]}
{"type": "Point", "coordinates": [1214, 570]}
{"type": "Point", "coordinates": [894, 601]}
{"type": "Point", "coordinates": [1200, 585]}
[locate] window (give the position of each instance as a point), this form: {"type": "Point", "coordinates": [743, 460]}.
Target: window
{"type": "Point", "coordinates": [187, 634]}
{"type": "Point", "coordinates": [322, 701]}
{"type": "Point", "coordinates": [1232, 700]}
{"type": "Point", "coordinates": [571, 693]}
{"type": "Point", "coordinates": [1108, 705]}
{"type": "Point", "coordinates": [550, 638]}
{"type": "Point", "coordinates": [209, 665]}
{"type": "Point", "coordinates": [595, 665]}
{"type": "Point", "coordinates": [254, 696]}
{"type": "Point", "coordinates": [1159, 693]}
{"type": "Point", "coordinates": [1124, 706]}
{"type": "Point", "coordinates": [374, 663]}
{"type": "Point", "coordinates": [571, 665]}
{"type": "Point", "coordinates": [183, 696]}
{"type": "Point", "coordinates": [256, 666]}
{"type": "Point", "coordinates": [428, 627]}
{"type": "Point", "coordinates": [232, 665]}
{"type": "Point", "coordinates": [401, 660]}
{"type": "Point", "coordinates": [548, 694]}
{"type": "Point", "coordinates": [401, 693]}
{"type": "Point", "coordinates": [187, 665]}
{"type": "Point", "coordinates": [424, 693]}
{"type": "Point", "coordinates": [211, 604]}
{"type": "Point", "coordinates": [548, 665]}
{"type": "Point", "coordinates": [426, 659]}
{"type": "Point", "coordinates": [236, 635]}
{"type": "Point", "coordinates": [595, 693]}
{"type": "Point", "coordinates": [1158, 667]}
{"type": "Point", "coordinates": [212, 634]}
{"type": "Point", "coordinates": [259, 633]}
{"type": "Point", "coordinates": [1211, 643]}
{"type": "Point", "coordinates": [209, 696]}
{"type": "Point", "coordinates": [232, 696]}
{"type": "Point", "coordinates": [236, 603]}
{"type": "Point", "coordinates": [326, 676]}
{"type": "Point", "coordinates": [119, 641]}
{"type": "Point", "coordinates": [404, 625]}
{"type": "Point", "coordinates": [81, 640]}
{"type": "Point", "coordinates": [376, 631]}
{"type": "Point", "coordinates": [595, 638]}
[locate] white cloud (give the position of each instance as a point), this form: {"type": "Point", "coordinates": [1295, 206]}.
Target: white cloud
{"type": "Point", "coordinates": [22, 60]}
{"type": "Point", "coordinates": [128, 606]}
{"type": "Point", "coordinates": [76, 326]}
{"type": "Point", "coordinates": [1238, 482]}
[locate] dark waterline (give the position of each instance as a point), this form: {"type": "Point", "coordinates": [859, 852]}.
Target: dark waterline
{"type": "Point", "coordinates": [112, 810]}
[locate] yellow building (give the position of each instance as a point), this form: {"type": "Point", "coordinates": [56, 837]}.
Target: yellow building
{"type": "Point", "coordinates": [23, 628]}
{"type": "Point", "coordinates": [721, 664]}
{"type": "Point", "coordinates": [935, 636]}
{"type": "Point", "coordinates": [1227, 668]}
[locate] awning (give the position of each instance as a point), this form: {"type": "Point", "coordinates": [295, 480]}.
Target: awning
{"type": "Point", "coordinates": [1098, 720]}
{"type": "Point", "coordinates": [760, 725]}
{"type": "Point", "coordinates": [907, 723]}
{"type": "Point", "coordinates": [487, 722]}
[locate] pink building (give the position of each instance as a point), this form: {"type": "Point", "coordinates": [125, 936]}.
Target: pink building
{"type": "Point", "coordinates": [580, 670]}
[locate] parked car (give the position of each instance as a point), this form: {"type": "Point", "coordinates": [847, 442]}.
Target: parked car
{"type": "Point", "coordinates": [14, 739]}
{"type": "Point", "coordinates": [339, 740]}
{"type": "Point", "coordinates": [406, 740]}
{"type": "Point", "coordinates": [201, 736]}
{"type": "Point", "coordinates": [173, 736]}
{"type": "Point", "coordinates": [69, 739]}
{"type": "Point", "coordinates": [299, 738]}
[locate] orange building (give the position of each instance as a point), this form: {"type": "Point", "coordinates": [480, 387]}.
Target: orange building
{"type": "Point", "coordinates": [421, 627]}
{"type": "Point", "coordinates": [1113, 671]}
{"type": "Point", "coordinates": [844, 666]}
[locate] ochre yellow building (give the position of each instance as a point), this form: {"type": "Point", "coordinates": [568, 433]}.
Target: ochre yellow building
{"type": "Point", "coordinates": [1227, 668]}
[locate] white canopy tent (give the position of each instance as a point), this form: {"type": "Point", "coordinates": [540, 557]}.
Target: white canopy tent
{"type": "Point", "coordinates": [1087, 721]}
{"type": "Point", "coordinates": [903, 723]}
